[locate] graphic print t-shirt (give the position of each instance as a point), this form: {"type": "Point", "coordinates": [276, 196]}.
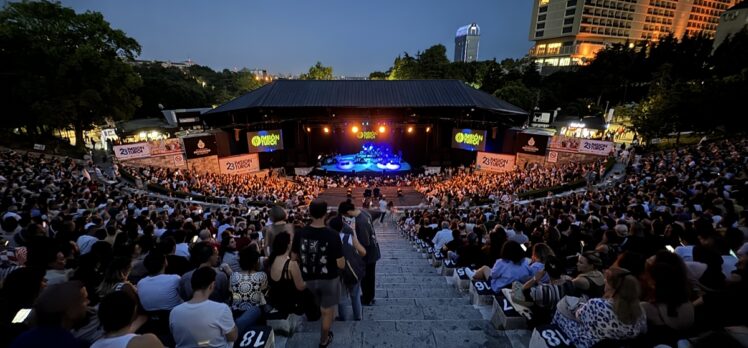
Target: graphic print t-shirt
{"type": "Point", "coordinates": [318, 250]}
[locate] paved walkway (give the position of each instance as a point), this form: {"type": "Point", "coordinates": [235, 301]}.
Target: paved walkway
{"type": "Point", "coordinates": [415, 307]}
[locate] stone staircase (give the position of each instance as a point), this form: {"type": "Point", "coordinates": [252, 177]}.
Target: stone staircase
{"type": "Point", "coordinates": [415, 307]}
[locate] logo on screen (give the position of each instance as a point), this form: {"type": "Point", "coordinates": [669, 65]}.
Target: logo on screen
{"type": "Point", "coordinates": [366, 135]}
{"type": "Point", "coordinates": [468, 138]}
{"type": "Point", "coordinates": [265, 140]}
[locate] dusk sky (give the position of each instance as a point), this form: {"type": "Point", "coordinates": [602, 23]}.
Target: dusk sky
{"type": "Point", "coordinates": [355, 37]}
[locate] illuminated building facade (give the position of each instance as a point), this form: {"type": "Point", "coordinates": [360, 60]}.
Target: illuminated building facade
{"type": "Point", "coordinates": [466, 43]}
{"type": "Point", "coordinates": [570, 32]}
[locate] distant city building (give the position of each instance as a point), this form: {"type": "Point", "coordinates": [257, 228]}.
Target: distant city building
{"type": "Point", "coordinates": [732, 21]}
{"type": "Point", "coordinates": [570, 32]}
{"type": "Point", "coordinates": [466, 43]}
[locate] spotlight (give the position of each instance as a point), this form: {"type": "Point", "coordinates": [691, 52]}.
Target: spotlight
{"type": "Point", "coordinates": [326, 130]}
{"type": "Point", "coordinates": [410, 129]}
{"type": "Point", "coordinates": [428, 129]}
{"type": "Point", "coordinates": [308, 129]}
{"type": "Point", "coordinates": [354, 129]}
{"type": "Point", "coordinates": [382, 129]}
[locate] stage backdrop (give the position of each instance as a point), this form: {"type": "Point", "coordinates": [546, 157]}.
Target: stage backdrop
{"type": "Point", "coordinates": [241, 164]}
{"type": "Point", "coordinates": [469, 139]}
{"type": "Point", "coordinates": [200, 146]}
{"type": "Point", "coordinates": [494, 162]}
{"type": "Point", "coordinates": [265, 140]}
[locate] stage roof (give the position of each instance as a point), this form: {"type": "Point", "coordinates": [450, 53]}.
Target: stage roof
{"type": "Point", "coordinates": [367, 94]}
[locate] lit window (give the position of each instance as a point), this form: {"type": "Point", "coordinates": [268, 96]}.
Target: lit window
{"type": "Point", "coordinates": [564, 62]}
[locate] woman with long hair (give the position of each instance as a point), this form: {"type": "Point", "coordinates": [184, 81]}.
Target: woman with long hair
{"type": "Point", "coordinates": [229, 255]}
{"type": "Point", "coordinates": [540, 254]}
{"type": "Point", "coordinates": [618, 315]}
{"type": "Point", "coordinates": [284, 277]}
{"type": "Point", "coordinates": [115, 278]}
{"type": "Point", "coordinates": [669, 309]}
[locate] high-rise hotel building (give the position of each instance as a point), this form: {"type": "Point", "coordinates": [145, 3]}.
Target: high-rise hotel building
{"type": "Point", "coordinates": [570, 32]}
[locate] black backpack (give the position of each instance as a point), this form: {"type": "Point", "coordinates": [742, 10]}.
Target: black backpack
{"type": "Point", "coordinates": [355, 268]}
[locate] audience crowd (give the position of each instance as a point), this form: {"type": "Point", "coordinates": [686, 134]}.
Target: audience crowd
{"type": "Point", "coordinates": [656, 258]}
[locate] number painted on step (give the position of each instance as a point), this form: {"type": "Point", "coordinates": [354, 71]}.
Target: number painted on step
{"type": "Point", "coordinates": [249, 339]}
{"type": "Point", "coordinates": [461, 272]}
{"type": "Point", "coordinates": [506, 306]}
{"type": "Point", "coordinates": [555, 338]}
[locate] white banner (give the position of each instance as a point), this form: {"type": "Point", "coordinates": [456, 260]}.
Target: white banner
{"type": "Point", "coordinates": [552, 157]}
{"type": "Point", "coordinates": [241, 164]}
{"type": "Point", "coordinates": [131, 151]}
{"type": "Point", "coordinates": [596, 147]}
{"type": "Point", "coordinates": [494, 162]}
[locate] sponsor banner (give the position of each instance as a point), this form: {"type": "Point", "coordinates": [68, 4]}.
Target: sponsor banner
{"type": "Point", "coordinates": [494, 162]}
{"type": "Point", "coordinates": [131, 151]}
{"type": "Point", "coordinates": [200, 146]}
{"type": "Point", "coordinates": [596, 147]}
{"type": "Point", "coordinates": [171, 146]}
{"type": "Point", "coordinates": [564, 144]}
{"type": "Point", "coordinates": [552, 157]}
{"type": "Point", "coordinates": [532, 144]}
{"type": "Point", "coordinates": [241, 164]}
{"type": "Point", "coordinates": [265, 140]}
{"type": "Point", "coordinates": [469, 139]}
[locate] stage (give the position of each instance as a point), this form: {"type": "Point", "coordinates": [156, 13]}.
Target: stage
{"type": "Point", "coordinates": [371, 159]}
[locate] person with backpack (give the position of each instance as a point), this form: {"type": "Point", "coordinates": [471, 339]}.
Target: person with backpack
{"type": "Point", "coordinates": [354, 270]}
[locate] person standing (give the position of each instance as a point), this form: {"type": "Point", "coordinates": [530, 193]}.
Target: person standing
{"type": "Point", "coordinates": [382, 209]}
{"type": "Point", "coordinates": [360, 221]}
{"type": "Point", "coordinates": [201, 322]}
{"type": "Point", "coordinates": [320, 254]}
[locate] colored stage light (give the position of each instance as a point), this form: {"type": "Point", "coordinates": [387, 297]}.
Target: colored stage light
{"type": "Point", "coordinates": [428, 129]}
{"type": "Point", "coordinates": [410, 129]}
{"type": "Point", "coordinates": [382, 129]}
{"type": "Point", "coordinates": [326, 130]}
{"type": "Point", "coordinates": [308, 129]}
{"type": "Point", "coordinates": [354, 129]}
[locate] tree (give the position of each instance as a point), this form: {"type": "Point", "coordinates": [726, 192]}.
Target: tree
{"type": "Point", "coordinates": [62, 68]}
{"type": "Point", "coordinates": [518, 94]}
{"type": "Point", "coordinates": [318, 72]}
{"type": "Point", "coordinates": [378, 75]}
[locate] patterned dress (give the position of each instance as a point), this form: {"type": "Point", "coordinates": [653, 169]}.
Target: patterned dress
{"type": "Point", "coordinates": [596, 322]}
{"type": "Point", "coordinates": [248, 290]}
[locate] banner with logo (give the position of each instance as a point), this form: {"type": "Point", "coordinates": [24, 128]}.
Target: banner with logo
{"type": "Point", "coordinates": [469, 139]}
{"type": "Point", "coordinates": [564, 144]}
{"type": "Point", "coordinates": [596, 147]}
{"type": "Point", "coordinates": [532, 144]}
{"type": "Point", "coordinates": [552, 157]}
{"type": "Point", "coordinates": [265, 140]}
{"type": "Point", "coordinates": [200, 146]}
{"type": "Point", "coordinates": [171, 146]}
{"type": "Point", "coordinates": [132, 151]}
{"type": "Point", "coordinates": [241, 164]}
{"type": "Point", "coordinates": [494, 162]}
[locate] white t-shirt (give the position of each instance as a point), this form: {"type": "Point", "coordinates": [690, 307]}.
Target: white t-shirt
{"type": "Point", "coordinates": [183, 250]}
{"type": "Point", "coordinates": [685, 252]}
{"type": "Point", "coordinates": [203, 324]}
{"type": "Point", "coordinates": [442, 237]}
{"type": "Point", "coordinates": [160, 292]}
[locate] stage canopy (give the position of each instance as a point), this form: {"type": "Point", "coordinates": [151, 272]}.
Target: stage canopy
{"type": "Point", "coordinates": [284, 100]}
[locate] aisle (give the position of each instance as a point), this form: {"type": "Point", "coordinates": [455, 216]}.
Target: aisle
{"type": "Point", "coordinates": [415, 307]}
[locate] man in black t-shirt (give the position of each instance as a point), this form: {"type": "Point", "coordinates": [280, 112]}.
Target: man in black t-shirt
{"type": "Point", "coordinates": [320, 254]}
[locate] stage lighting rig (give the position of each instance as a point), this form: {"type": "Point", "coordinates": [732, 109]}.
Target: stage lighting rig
{"type": "Point", "coordinates": [354, 129]}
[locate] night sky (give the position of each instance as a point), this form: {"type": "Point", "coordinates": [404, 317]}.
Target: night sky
{"type": "Point", "coordinates": [355, 37]}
